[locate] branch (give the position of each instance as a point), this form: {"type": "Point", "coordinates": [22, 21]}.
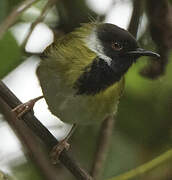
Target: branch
{"type": "Point", "coordinates": [135, 18]}
{"type": "Point", "coordinates": [145, 168]}
{"type": "Point", "coordinates": [43, 133]}
{"type": "Point", "coordinates": [40, 18]}
{"type": "Point", "coordinates": [160, 26]}
{"type": "Point", "coordinates": [12, 18]}
{"type": "Point", "coordinates": [30, 141]}
{"type": "Point", "coordinates": [102, 147]}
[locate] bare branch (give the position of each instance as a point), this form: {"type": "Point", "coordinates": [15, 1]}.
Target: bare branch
{"type": "Point", "coordinates": [42, 132]}
{"type": "Point", "coordinates": [135, 18]}
{"type": "Point", "coordinates": [160, 26]}
{"type": "Point", "coordinates": [11, 19]}
{"type": "Point", "coordinates": [40, 18]}
{"type": "Point", "coordinates": [30, 141]}
{"type": "Point", "coordinates": [102, 147]}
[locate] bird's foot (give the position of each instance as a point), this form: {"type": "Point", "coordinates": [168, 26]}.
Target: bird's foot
{"type": "Point", "coordinates": [21, 109]}
{"type": "Point", "coordinates": [57, 150]}
{"type": "Point", "coordinates": [62, 145]}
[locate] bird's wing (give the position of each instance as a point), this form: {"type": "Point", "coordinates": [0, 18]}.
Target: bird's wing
{"type": "Point", "coordinates": [69, 55]}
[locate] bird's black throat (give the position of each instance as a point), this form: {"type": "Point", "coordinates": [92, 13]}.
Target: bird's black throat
{"type": "Point", "coordinates": [99, 75]}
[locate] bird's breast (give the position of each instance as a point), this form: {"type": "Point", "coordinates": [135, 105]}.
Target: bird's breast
{"type": "Point", "coordinates": [69, 107]}
{"type": "Point", "coordinates": [98, 76]}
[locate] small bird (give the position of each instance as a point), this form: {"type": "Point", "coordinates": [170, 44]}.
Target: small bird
{"type": "Point", "coordinates": [82, 73]}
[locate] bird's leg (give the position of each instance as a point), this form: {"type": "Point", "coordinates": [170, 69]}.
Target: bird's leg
{"type": "Point", "coordinates": [63, 144]}
{"type": "Point", "coordinates": [21, 109]}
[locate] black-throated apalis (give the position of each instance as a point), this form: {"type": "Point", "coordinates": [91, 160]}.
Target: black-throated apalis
{"type": "Point", "coordinates": [82, 73]}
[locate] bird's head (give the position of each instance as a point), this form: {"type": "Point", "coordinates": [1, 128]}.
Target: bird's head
{"type": "Point", "coordinates": [116, 50]}
{"type": "Point", "coordinates": [113, 43]}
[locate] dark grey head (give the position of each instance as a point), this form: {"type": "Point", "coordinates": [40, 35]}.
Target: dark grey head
{"type": "Point", "coordinates": [116, 50]}
{"type": "Point", "coordinates": [119, 43]}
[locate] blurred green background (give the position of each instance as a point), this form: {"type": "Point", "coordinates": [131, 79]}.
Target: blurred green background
{"type": "Point", "coordinates": [143, 127]}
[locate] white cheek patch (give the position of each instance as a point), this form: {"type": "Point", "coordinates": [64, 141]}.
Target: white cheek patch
{"type": "Point", "coordinates": [95, 45]}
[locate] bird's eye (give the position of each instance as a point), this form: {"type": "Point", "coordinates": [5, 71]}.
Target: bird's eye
{"type": "Point", "coordinates": [116, 46]}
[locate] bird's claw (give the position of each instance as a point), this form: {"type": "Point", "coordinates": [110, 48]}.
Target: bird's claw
{"type": "Point", "coordinates": [57, 150]}
{"type": "Point", "coordinates": [62, 145]}
{"type": "Point", "coordinates": [21, 109]}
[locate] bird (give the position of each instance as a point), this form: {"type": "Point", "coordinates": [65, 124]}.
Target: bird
{"type": "Point", "coordinates": [82, 73]}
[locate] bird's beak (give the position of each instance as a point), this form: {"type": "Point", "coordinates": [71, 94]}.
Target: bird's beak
{"type": "Point", "coordinates": [142, 52]}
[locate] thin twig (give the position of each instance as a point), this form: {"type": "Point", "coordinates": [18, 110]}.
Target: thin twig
{"type": "Point", "coordinates": [145, 168]}
{"type": "Point", "coordinates": [43, 133]}
{"type": "Point", "coordinates": [135, 18]}
{"type": "Point", "coordinates": [102, 147]}
{"type": "Point", "coordinates": [29, 140]}
{"type": "Point", "coordinates": [40, 18]}
{"type": "Point", "coordinates": [12, 18]}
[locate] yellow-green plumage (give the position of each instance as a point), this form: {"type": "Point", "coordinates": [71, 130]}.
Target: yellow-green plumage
{"type": "Point", "coordinates": [65, 61]}
{"type": "Point", "coordinates": [70, 55]}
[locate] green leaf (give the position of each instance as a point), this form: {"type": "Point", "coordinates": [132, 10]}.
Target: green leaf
{"type": "Point", "coordinates": [3, 9]}
{"type": "Point", "coordinates": [10, 54]}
